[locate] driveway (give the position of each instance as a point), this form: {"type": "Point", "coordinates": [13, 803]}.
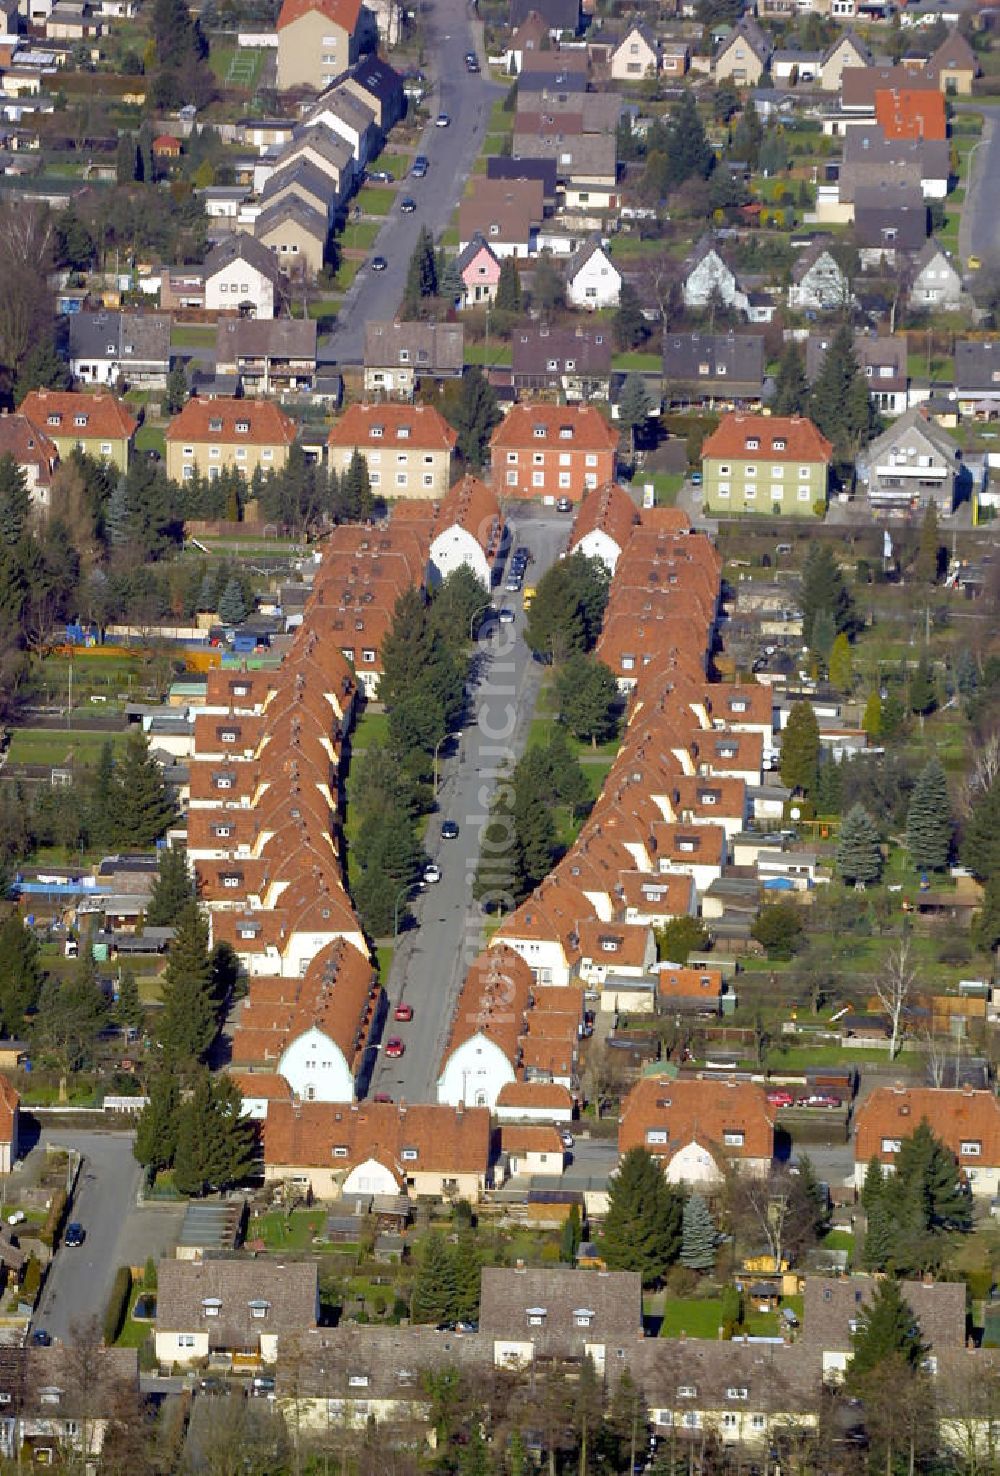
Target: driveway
{"type": "Point", "coordinates": [433, 958]}
{"type": "Point", "coordinates": [118, 1233]}
{"type": "Point", "coordinates": [467, 99]}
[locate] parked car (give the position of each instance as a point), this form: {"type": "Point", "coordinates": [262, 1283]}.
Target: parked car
{"type": "Point", "coordinates": [379, 176]}
{"type": "Point", "coordinates": [403, 1012]}
{"type": "Point", "coordinates": [432, 872]}
{"type": "Point", "coordinates": [40, 1338]}
{"type": "Point", "coordinates": [379, 263]}
{"type": "Point", "coordinates": [506, 616]}
{"type": "Point", "coordinates": [564, 504]}
{"type": "Point", "coordinates": [567, 1139]}
{"type": "Point", "coordinates": [381, 1097]}
{"type": "Point", "coordinates": [420, 166]}
{"type": "Point", "coordinates": [449, 830]}
{"type": "Point", "coordinates": [394, 1048]}
{"type": "Point", "coordinates": [781, 1099]}
{"type": "Point", "coordinates": [75, 1234]}
{"type": "Point", "coordinates": [513, 584]}
{"type": "Point", "coordinates": [407, 205]}
{"type": "Point", "coordinates": [442, 121]}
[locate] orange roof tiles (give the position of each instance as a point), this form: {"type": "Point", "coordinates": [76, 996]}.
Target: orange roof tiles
{"type": "Point", "coordinates": [383, 426]}
{"type": "Point", "coordinates": [305, 1134]}
{"type": "Point", "coordinates": [688, 1109]}
{"type": "Point", "coordinates": [10, 1101]}
{"type": "Point", "coordinates": [343, 13]}
{"type": "Point", "coordinates": [219, 423]}
{"type": "Point", "coordinates": [473, 506]}
{"type": "Point", "coordinates": [681, 983]}
{"type": "Point", "coordinates": [777, 437]}
{"type": "Point", "coordinates": [494, 1001]}
{"type": "Point", "coordinates": [85, 417]}
{"type": "Point", "coordinates": [957, 1116]}
{"type": "Point", "coordinates": [535, 1096]}
{"type": "Point", "coordinates": [903, 112]}
{"type": "Point", "coordinates": [609, 510]}
{"type": "Point", "coordinates": [517, 1139]}
{"type": "Point", "coordinates": [562, 427]}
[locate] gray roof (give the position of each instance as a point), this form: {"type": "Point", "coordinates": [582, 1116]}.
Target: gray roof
{"type": "Point", "coordinates": [910, 427]}
{"type": "Point", "coordinates": [289, 1293]}
{"type": "Point", "coordinates": [933, 251]}
{"type": "Point", "coordinates": [357, 114]}
{"type": "Point", "coordinates": [502, 167]}
{"type": "Point", "coordinates": [535, 349]}
{"type": "Point", "coordinates": [557, 1297]}
{"type": "Point", "coordinates": [832, 1304]}
{"type": "Point", "coordinates": [128, 337]}
{"type": "Point", "coordinates": [890, 227]}
{"type": "Point", "coordinates": [376, 76]}
{"type": "Point", "coordinates": [749, 31]}
{"type": "Point", "coordinates": [472, 248]}
{"type": "Point", "coordinates": [241, 246]}
{"type": "Point", "coordinates": [849, 35]}
{"type": "Point", "coordinates": [583, 253]}
{"type": "Point", "coordinates": [871, 352]}
{"type": "Point", "coordinates": [804, 263]}
{"type": "Point", "coordinates": [354, 1361]}
{"type": "Point", "coordinates": [257, 338]}
{"type": "Point", "coordinates": [559, 15]}
{"type": "Point", "coordinates": [321, 140]}
{"type": "Point", "coordinates": [550, 83]}
{"type": "Point", "coordinates": [732, 360]}
{"type": "Point", "coordinates": [977, 364]}
{"type": "Point", "coordinates": [294, 209]}
{"type": "Point", "coordinates": [430, 348]}
{"type": "Point", "coordinates": [303, 177]}
{"type": "Point", "coordinates": [868, 142]}
{"type": "Point", "coordinates": [577, 155]}
{"type": "Point", "coordinates": [778, 1378]}
{"type": "Point", "coordinates": [76, 1382]}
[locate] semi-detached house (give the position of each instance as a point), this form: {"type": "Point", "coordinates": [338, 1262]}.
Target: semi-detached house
{"type": "Point", "coordinates": [967, 1122]}
{"type": "Point", "coordinates": [98, 424]}
{"type": "Point", "coordinates": [553, 451]}
{"type": "Point", "coordinates": [234, 1308]}
{"type": "Point", "coordinates": [697, 1128]}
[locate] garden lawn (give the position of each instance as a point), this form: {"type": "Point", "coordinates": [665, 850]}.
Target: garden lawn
{"type": "Point", "coordinates": [347, 271]}
{"type": "Point", "coordinates": [372, 727]}
{"type": "Point", "coordinates": [397, 164]}
{"type": "Point", "coordinates": [493, 353]}
{"type": "Point", "coordinates": [666, 486]}
{"type": "Point", "coordinates": [150, 438]}
{"type": "Point", "coordinates": [279, 1231]}
{"type": "Point", "coordinates": [384, 956]}
{"type": "Point", "coordinates": [57, 746]}
{"type": "Point", "coordinates": [360, 235]}
{"type": "Point", "coordinates": [637, 363]}
{"type": "Point", "coordinates": [191, 335]}
{"type": "Point", "coordinates": [500, 121]}
{"type": "Point", "coordinates": [375, 200]}
{"type": "Point", "coordinates": [692, 1316]}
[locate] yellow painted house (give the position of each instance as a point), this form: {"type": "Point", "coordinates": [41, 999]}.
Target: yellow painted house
{"type": "Point", "coordinates": [99, 425]}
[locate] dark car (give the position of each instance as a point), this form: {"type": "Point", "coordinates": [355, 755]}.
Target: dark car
{"type": "Point", "coordinates": [379, 263]}
{"type": "Point", "coordinates": [75, 1234]}
{"type": "Point", "coordinates": [420, 166]}
{"type": "Point", "coordinates": [40, 1338]}
{"type": "Point", "coordinates": [407, 205]}
{"type": "Point", "coordinates": [449, 830]}
{"type": "Point", "coordinates": [379, 176]}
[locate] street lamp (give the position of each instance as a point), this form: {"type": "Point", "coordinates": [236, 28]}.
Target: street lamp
{"type": "Point", "coordinates": [437, 748]}
{"type": "Point", "coordinates": [488, 605]}
{"type": "Point", "coordinates": [403, 892]}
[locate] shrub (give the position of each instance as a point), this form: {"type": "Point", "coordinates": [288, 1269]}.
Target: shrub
{"type": "Point", "coordinates": [52, 1227]}
{"type": "Point", "coordinates": [114, 1317]}
{"type": "Point", "coordinates": [31, 1281]}
{"type": "Point", "coordinates": [149, 1275]}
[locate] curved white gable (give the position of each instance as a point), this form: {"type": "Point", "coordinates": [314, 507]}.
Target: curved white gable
{"type": "Point", "coordinates": [475, 1073]}
{"type": "Point", "coordinates": [316, 1069]}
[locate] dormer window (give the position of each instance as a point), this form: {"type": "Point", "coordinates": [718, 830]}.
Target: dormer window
{"type": "Point", "coordinates": [54, 420]}
{"type": "Point", "coordinates": [215, 425]}
{"type": "Point", "coordinates": [259, 1308]}
{"type": "Point", "coordinates": [538, 431]}
{"type": "Point", "coordinates": [340, 1150]}
{"type": "Point", "coordinates": [378, 431]}
{"type": "Point", "coordinates": [565, 433]}
{"type": "Point", "coordinates": [536, 1316]}
{"type": "Point", "coordinates": [242, 427]}
{"type": "Point", "coordinates": [357, 1380]}
{"type": "Point", "coordinates": [552, 366]}
{"type": "Point", "coordinates": [409, 1155]}
{"type": "Point", "coordinates": [403, 434]}
{"type": "Point", "coordinates": [50, 1395]}
{"type": "Point", "coordinates": [752, 443]}
{"type": "Point", "coordinates": [583, 1317]}
{"type": "Point", "coordinates": [733, 1137]}
{"type": "Point", "coordinates": [687, 1391]}
{"type": "Point", "coordinates": [656, 1136]}
{"type": "Point", "coordinates": [736, 1393]}
{"type": "Point", "coordinates": [80, 420]}
{"type": "Point", "coordinates": [211, 1306]}
{"type": "Point", "coordinates": [778, 445]}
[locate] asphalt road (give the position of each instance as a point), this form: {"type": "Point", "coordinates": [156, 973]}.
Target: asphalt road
{"type": "Point", "coordinates": [79, 1281]}
{"type": "Point", "coordinates": [979, 228]}
{"type": "Point", "coordinates": [433, 957]}
{"type": "Point", "coordinates": [467, 99]}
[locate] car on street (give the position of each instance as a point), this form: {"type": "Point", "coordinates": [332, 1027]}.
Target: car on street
{"type": "Point", "coordinates": [381, 1097]}
{"type": "Point", "coordinates": [820, 1099]}
{"type": "Point", "coordinates": [781, 1099]}
{"type": "Point", "coordinates": [506, 616]}
{"type": "Point", "coordinates": [403, 1012]}
{"type": "Point", "coordinates": [420, 166]}
{"type": "Point", "coordinates": [471, 64]}
{"type": "Point", "coordinates": [379, 263]}
{"type": "Point", "coordinates": [974, 263]}
{"type": "Point", "coordinates": [514, 582]}
{"type": "Point", "coordinates": [407, 205]}
{"type": "Point", "coordinates": [567, 1139]}
{"type": "Point", "coordinates": [75, 1234]}
{"type": "Point", "coordinates": [442, 121]}
{"type": "Point", "coordinates": [563, 504]}
{"type": "Point", "coordinates": [40, 1338]}
{"type": "Point", "coordinates": [523, 555]}
{"type": "Point", "coordinates": [394, 1048]}
{"type": "Point", "coordinates": [695, 479]}
{"type": "Point", "coordinates": [449, 830]}
{"type": "Point", "coordinates": [432, 872]}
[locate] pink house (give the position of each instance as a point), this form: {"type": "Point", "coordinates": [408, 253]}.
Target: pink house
{"type": "Point", "coordinates": [479, 269]}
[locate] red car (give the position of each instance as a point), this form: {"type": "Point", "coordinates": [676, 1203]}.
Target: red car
{"type": "Point", "coordinates": [780, 1099]}
{"type": "Point", "coordinates": [394, 1047]}
{"type": "Point", "coordinates": [403, 1012]}
{"type": "Point", "coordinates": [382, 1097]}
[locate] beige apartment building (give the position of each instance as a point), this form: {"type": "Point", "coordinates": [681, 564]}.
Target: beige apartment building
{"type": "Point", "coordinates": [208, 435]}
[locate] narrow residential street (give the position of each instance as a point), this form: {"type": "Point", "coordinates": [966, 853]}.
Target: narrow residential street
{"type": "Point", "coordinates": [467, 98]}
{"type": "Point", "coordinates": [979, 227]}
{"type": "Point", "coordinates": [432, 958]}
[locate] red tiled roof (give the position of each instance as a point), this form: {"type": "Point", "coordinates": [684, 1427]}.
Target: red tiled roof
{"type": "Point", "coordinates": [343, 13]}
{"type": "Point", "coordinates": [588, 430]}
{"type": "Point", "coordinates": [393, 425]}
{"type": "Point", "coordinates": [689, 1109]}
{"type": "Point", "coordinates": [608, 509]}
{"type": "Point", "coordinates": [217, 422]}
{"type": "Point", "coordinates": [57, 411]}
{"type": "Point", "coordinates": [450, 1139]}
{"type": "Point", "coordinates": [957, 1116]}
{"type": "Point", "coordinates": [902, 112]}
{"type": "Point", "coordinates": [778, 437]}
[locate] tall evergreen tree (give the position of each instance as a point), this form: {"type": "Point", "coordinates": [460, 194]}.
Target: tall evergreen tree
{"type": "Point", "coordinates": [434, 1290]}
{"type": "Point", "coordinates": [215, 1142]}
{"type": "Point", "coordinates": [569, 1240]}
{"type": "Point", "coordinates": [871, 720]}
{"type": "Point", "coordinates": [791, 388]}
{"type": "Point", "coordinates": [356, 488]}
{"type": "Point", "coordinates": [886, 1332]}
{"type": "Point", "coordinates": [629, 325]}
{"type": "Point", "coordinates": [21, 975]}
{"type": "Point", "coordinates": [823, 588]}
{"type": "Point", "coordinates": [689, 153]}
{"type": "Point", "coordinates": [800, 748]}
{"type": "Point", "coordinates": [176, 394]}
{"type": "Point", "coordinates": [588, 698]}
{"type": "Point", "coordinates": [859, 854]}
{"type": "Point", "coordinates": [188, 1024]}
{"type": "Point", "coordinates": [421, 276]}
{"type": "Point", "coordinates": [981, 841]}
{"type": "Point", "coordinates": [474, 415]}
{"type": "Point", "coordinates": [15, 501]}
{"type": "Point", "coordinates": [140, 806]}
{"type": "Point", "coordinates": [508, 298]}
{"type": "Point", "coordinates": [927, 1171]}
{"type": "Point", "coordinates": [642, 1230]}
{"type": "Point", "coordinates": [840, 405]}
{"type": "Point", "coordinates": [156, 1130]}
{"type": "Point", "coordinates": [232, 605]}
{"type": "Point", "coordinates": [698, 1235]}
{"type": "Point", "coordinates": [840, 664]}
{"type": "Point", "coordinates": [634, 407]}
{"type": "Point", "coordinates": [173, 889]}
{"type": "Point", "coordinates": [922, 687]}
{"type": "Point", "coordinates": [129, 1013]}
{"type": "Point", "coordinates": [929, 826]}
{"type": "Point", "coordinates": [928, 564]}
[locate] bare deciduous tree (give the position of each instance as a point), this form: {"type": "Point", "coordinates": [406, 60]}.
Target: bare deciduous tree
{"type": "Point", "coordinates": [894, 990]}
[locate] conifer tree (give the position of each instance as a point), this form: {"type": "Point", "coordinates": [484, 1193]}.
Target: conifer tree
{"type": "Point", "coordinates": [129, 1013]}
{"type": "Point", "coordinates": [232, 605]}
{"type": "Point", "coordinates": [698, 1236]}
{"type": "Point", "coordinates": [922, 689]}
{"type": "Point", "coordinates": [642, 1230]}
{"type": "Point", "coordinates": [929, 826]}
{"type": "Point", "coordinates": [508, 298]}
{"type": "Point", "coordinates": [569, 1240]}
{"type": "Point", "coordinates": [140, 808]}
{"type": "Point", "coordinates": [215, 1142]}
{"type": "Point", "coordinates": [172, 890]}
{"type": "Point", "coordinates": [981, 841]}
{"type": "Point", "coordinates": [800, 748]}
{"type": "Point", "coordinates": [356, 489]}
{"type": "Point", "coordinates": [886, 1332]}
{"type": "Point", "coordinates": [434, 1291]}
{"type": "Point", "coordinates": [21, 974]}
{"type": "Point", "coordinates": [871, 721]}
{"type": "Point", "coordinates": [823, 588]}
{"type": "Point", "coordinates": [841, 665]}
{"type": "Point", "coordinates": [156, 1129]}
{"type": "Point", "coordinates": [188, 1024]}
{"type": "Point", "coordinates": [208, 597]}
{"type": "Point", "coordinates": [791, 388]}
{"type": "Point", "coordinates": [859, 854]}
{"type": "Point", "coordinates": [929, 548]}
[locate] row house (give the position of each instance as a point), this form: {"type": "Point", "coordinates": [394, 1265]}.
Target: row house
{"type": "Point", "coordinates": [34, 454]}
{"type": "Point", "coordinates": [467, 532]}
{"type": "Point", "coordinates": [398, 355]}
{"type": "Point", "coordinates": [967, 1122]}
{"type": "Point", "coordinates": [604, 524]}
{"type": "Point", "coordinates": [268, 356]}
{"type": "Point", "coordinates": [574, 364]}
{"type": "Point", "coordinates": [697, 1129]}
{"type": "Point", "coordinates": [882, 360]}
{"type": "Point", "coordinates": [760, 464]}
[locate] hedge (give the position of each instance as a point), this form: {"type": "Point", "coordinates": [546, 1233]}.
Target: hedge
{"type": "Point", "coordinates": [49, 1232]}
{"type": "Point", "coordinates": [114, 1317]}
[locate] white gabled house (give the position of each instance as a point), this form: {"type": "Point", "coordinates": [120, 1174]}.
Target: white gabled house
{"type": "Point", "coordinates": [592, 279]}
